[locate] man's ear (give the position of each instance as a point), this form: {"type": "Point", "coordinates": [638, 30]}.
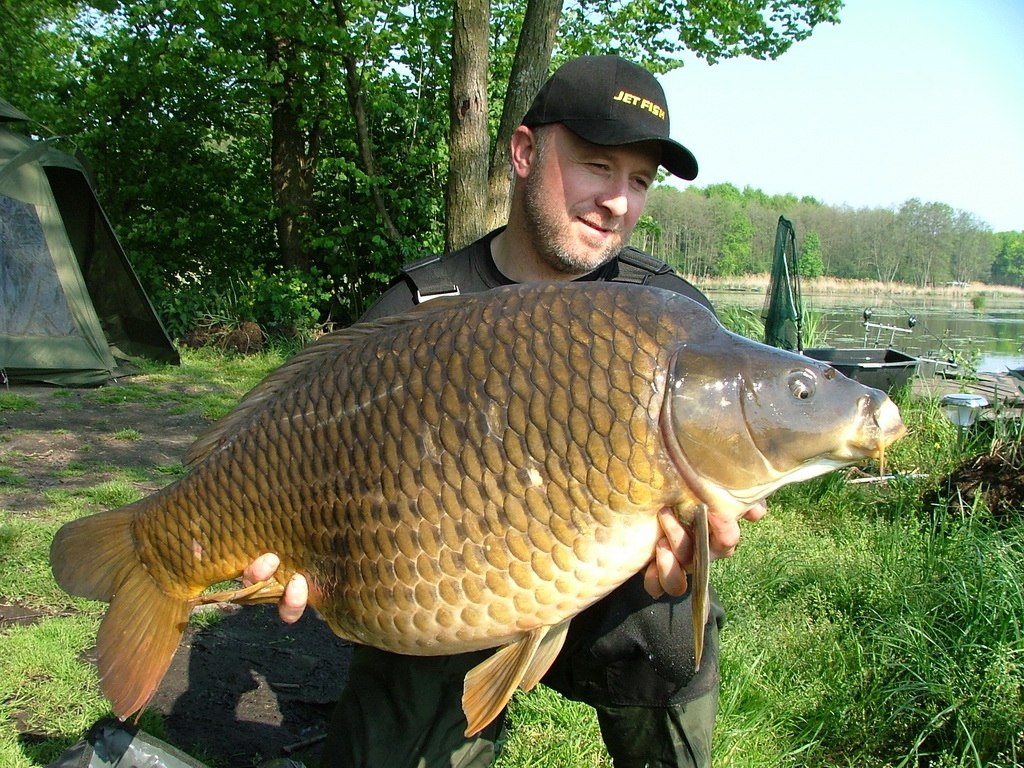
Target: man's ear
{"type": "Point", "coordinates": [523, 151]}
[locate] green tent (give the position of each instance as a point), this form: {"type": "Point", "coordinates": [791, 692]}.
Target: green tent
{"type": "Point", "coordinates": [72, 310]}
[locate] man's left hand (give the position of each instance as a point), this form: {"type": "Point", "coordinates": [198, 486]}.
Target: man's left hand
{"type": "Point", "coordinates": [666, 573]}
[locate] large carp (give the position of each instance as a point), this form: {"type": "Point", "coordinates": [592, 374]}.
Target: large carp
{"type": "Point", "coordinates": [471, 474]}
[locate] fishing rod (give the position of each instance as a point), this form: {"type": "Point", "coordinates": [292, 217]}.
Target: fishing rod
{"type": "Point", "coordinates": [913, 321]}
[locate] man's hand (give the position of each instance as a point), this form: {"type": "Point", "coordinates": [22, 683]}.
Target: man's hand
{"type": "Point", "coordinates": [296, 593]}
{"type": "Point", "coordinates": [673, 554]}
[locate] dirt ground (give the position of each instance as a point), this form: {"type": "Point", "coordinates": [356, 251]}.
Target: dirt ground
{"type": "Point", "coordinates": [246, 688]}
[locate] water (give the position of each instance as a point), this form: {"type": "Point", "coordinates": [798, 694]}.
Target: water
{"type": "Point", "coordinates": [992, 337]}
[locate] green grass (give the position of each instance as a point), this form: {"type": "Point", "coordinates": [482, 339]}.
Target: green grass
{"type": "Point", "coordinates": [12, 401]}
{"type": "Point", "coordinates": [864, 629]}
{"type": "Point", "coordinates": [545, 729]}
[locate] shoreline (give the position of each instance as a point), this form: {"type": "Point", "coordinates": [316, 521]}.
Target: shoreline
{"type": "Point", "coordinates": [833, 286]}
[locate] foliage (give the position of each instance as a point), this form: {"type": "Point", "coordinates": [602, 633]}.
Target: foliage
{"type": "Point", "coordinates": [749, 323]}
{"type": "Point", "coordinates": [893, 627]}
{"type": "Point", "coordinates": [810, 261]}
{"type": "Point", "coordinates": [1008, 261]}
{"type": "Point", "coordinates": [219, 133]}
{"type": "Point", "coordinates": [285, 302]}
{"type": "Point", "coordinates": [762, 29]}
{"type": "Point", "coordinates": [720, 230]}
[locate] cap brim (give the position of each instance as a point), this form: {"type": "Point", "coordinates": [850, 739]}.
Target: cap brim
{"type": "Point", "coordinates": [678, 160]}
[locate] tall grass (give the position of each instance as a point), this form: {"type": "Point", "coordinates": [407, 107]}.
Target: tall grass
{"type": "Point", "coordinates": [867, 630]}
{"type": "Point", "coordinates": [758, 283]}
{"type": "Point", "coordinates": [748, 323]}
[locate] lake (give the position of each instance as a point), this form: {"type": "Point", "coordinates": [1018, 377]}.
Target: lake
{"type": "Point", "coordinates": [992, 336]}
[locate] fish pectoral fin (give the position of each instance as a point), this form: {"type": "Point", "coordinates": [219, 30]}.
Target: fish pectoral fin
{"type": "Point", "coordinates": [490, 684]}
{"type": "Point", "coordinates": [545, 656]}
{"type": "Point", "coordinates": [701, 579]}
{"type": "Point", "coordinates": [266, 591]}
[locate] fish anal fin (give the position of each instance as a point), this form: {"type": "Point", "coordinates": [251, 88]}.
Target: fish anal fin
{"type": "Point", "coordinates": [700, 584]}
{"type": "Point", "coordinates": [489, 685]}
{"type": "Point", "coordinates": [545, 655]}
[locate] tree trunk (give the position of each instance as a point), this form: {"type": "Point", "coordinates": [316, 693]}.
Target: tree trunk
{"type": "Point", "coordinates": [292, 162]}
{"type": "Point", "coordinates": [466, 194]}
{"type": "Point", "coordinates": [529, 70]}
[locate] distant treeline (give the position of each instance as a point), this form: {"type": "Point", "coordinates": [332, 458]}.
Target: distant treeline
{"type": "Point", "coordinates": [722, 231]}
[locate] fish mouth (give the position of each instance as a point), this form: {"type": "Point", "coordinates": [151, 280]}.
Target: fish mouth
{"type": "Point", "coordinates": [882, 426]}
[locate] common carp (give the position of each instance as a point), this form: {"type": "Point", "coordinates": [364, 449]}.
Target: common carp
{"type": "Point", "coordinates": [470, 475]}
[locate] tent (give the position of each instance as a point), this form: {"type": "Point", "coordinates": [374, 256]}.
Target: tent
{"type": "Point", "coordinates": [72, 310]}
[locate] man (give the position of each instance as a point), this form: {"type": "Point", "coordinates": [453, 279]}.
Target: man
{"type": "Point", "coordinates": [584, 157]}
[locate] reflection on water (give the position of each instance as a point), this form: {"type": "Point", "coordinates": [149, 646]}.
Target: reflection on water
{"type": "Point", "coordinates": [992, 337]}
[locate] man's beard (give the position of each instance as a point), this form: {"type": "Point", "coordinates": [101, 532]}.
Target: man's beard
{"type": "Point", "coordinates": [552, 237]}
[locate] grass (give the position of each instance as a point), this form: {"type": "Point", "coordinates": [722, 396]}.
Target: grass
{"type": "Point", "coordinates": [864, 628]}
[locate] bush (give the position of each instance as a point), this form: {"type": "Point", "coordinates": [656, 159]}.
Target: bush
{"type": "Point", "coordinates": [289, 303]}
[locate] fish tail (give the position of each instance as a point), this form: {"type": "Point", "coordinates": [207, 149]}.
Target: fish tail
{"type": "Point", "coordinates": [95, 557]}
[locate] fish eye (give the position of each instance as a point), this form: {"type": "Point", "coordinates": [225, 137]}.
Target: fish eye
{"type": "Point", "coordinates": [802, 384]}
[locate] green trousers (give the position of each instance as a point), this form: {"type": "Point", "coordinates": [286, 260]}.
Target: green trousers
{"type": "Point", "coordinates": [405, 712]}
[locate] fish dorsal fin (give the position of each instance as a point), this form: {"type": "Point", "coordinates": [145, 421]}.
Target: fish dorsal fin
{"type": "Point", "coordinates": [287, 378]}
{"type": "Point", "coordinates": [490, 684]}
{"type": "Point", "coordinates": [545, 656]}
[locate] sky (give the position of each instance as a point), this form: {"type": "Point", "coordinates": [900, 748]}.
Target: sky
{"type": "Point", "coordinates": [902, 99]}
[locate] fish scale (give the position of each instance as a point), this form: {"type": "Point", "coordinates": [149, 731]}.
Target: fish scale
{"type": "Point", "coordinates": [472, 474]}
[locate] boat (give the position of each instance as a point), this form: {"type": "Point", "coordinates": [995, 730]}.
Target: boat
{"type": "Point", "coordinates": [884, 368]}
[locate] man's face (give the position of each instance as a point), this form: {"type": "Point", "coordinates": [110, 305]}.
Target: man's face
{"type": "Point", "coordinates": [582, 201]}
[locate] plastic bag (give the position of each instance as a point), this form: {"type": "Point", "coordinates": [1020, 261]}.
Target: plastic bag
{"type": "Point", "coordinates": [113, 744]}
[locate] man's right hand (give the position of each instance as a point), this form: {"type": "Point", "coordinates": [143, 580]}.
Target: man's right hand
{"type": "Point", "coordinates": [296, 593]}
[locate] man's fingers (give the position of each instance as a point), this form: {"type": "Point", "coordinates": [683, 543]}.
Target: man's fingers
{"type": "Point", "coordinates": [671, 575]}
{"type": "Point", "coordinates": [294, 600]}
{"type": "Point", "coordinates": [652, 584]}
{"type": "Point", "coordinates": [677, 537]}
{"type": "Point", "coordinates": [673, 555]}
{"type": "Point", "coordinates": [261, 569]}
{"type": "Point", "coordinates": [296, 592]}
{"type": "Point", "coordinates": [724, 535]}
{"type": "Point", "coordinates": [757, 511]}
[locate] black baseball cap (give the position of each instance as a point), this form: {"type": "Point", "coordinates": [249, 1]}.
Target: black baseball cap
{"type": "Point", "coordinates": [609, 101]}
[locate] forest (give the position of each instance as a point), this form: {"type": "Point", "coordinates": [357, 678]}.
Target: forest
{"type": "Point", "coordinates": [723, 231]}
{"type": "Point", "coordinates": [277, 162]}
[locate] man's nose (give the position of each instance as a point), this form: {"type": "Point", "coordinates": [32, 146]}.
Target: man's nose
{"type": "Point", "coordinates": [615, 200]}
